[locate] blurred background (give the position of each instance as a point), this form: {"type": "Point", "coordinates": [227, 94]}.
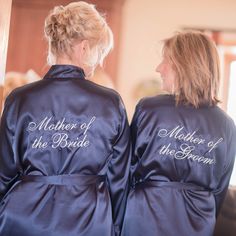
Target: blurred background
{"type": "Point", "coordinates": [139, 26]}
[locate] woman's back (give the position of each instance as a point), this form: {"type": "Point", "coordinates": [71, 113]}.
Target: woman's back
{"type": "Point", "coordinates": [182, 161]}
{"type": "Point", "coordinates": [191, 140]}
{"type": "Point", "coordinates": [66, 157]}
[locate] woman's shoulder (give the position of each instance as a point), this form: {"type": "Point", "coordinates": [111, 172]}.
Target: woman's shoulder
{"type": "Point", "coordinates": [156, 102]}
{"type": "Point", "coordinates": [103, 94]}
{"type": "Point", "coordinates": [22, 91]}
{"type": "Point", "coordinates": [102, 90]}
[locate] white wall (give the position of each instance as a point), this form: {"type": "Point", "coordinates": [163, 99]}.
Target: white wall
{"type": "Point", "coordinates": [147, 22]}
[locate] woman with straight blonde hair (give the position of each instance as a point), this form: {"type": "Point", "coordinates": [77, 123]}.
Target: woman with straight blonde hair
{"type": "Point", "coordinates": [64, 140]}
{"type": "Point", "coordinates": [183, 146]}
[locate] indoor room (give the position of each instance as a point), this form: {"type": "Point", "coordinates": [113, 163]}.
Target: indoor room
{"type": "Point", "coordinates": [139, 29]}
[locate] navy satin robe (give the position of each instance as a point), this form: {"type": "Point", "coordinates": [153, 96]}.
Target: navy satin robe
{"type": "Point", "coordinates": [64, 158]}
{"type": "Point", "coordinates": [181, 166]}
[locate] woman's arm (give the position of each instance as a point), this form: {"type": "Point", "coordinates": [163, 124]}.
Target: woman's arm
{"type": "Point", "coordinates": [118, 171]}
{"type": "Point", "coordinates": [8, 161]}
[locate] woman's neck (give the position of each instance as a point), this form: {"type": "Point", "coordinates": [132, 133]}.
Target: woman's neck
{"type": "Point", "coordinates": [68, 61]}
{"type": "Point", "coordinates": [65, 61]}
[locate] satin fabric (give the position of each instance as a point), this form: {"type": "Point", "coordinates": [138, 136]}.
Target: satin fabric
{"type": "Point", "coordinates": [181, 166]}
{"type": "Point", "coordinates": [64, 158]}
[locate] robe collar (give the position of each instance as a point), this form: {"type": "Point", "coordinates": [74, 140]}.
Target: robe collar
{"type": "Point", "coordinates": [65, 72]}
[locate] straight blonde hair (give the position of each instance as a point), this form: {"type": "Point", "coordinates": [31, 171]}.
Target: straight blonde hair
{"type": "Point", "coordinates": [195, 61]}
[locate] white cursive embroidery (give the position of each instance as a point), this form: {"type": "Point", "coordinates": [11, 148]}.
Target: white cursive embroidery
{"type": "Point", "coordinates": [59, 138]}
{"type": "Point", "coordinates": [188, 145]}
{"type": "Point", "coordinates": [46, 124]}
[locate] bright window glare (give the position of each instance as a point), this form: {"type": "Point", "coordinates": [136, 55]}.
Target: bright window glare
{"type": "Point", "coordinates": [231, 108]}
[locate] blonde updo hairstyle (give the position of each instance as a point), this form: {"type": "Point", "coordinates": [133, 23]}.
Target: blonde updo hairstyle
{"type": "Point", "coordinates": [67, 25]}
{"type": "Point", "coordinates": [195, 61]}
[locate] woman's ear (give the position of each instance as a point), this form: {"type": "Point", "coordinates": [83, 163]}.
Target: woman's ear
{"type": "Point", "coordinates": [81, 49]}
{"type": "Point", "coordinates": [85, 47]}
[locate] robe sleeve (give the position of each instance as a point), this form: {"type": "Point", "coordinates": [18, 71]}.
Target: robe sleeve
{"type": "Point", "coordinates": [138, 145]}
{"type": "Point", "coordinates": [8, 160]}
{"type": "Point", "coordinates": [118, 171]}
{"type": "Point", "coordinates": [228, 168]}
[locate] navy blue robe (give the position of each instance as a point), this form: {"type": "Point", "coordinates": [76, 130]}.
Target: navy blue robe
{"type": "Point", "coordinates": [181, 166]}
{"type": "Point", "coordinates": [64, 158]}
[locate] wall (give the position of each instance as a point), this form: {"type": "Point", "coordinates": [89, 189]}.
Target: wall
{"type": "Point", "coordinates": [27, 45]}
{"type": "Point", "coordinates": [147, 22]}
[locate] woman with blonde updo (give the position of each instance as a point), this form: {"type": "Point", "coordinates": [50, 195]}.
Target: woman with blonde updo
{"type": "Point", "coordinates": [184, 146]}
{"type": "Point", "coordinates": [64, 141]}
